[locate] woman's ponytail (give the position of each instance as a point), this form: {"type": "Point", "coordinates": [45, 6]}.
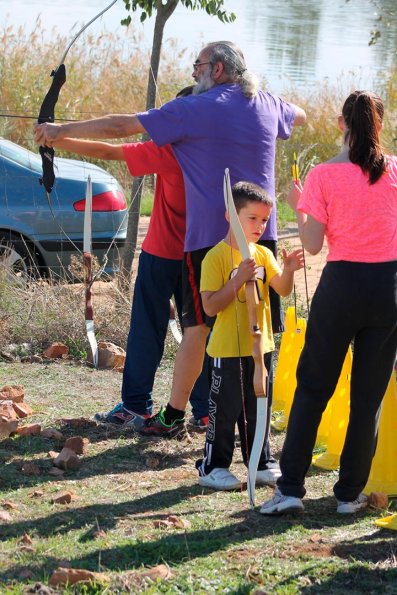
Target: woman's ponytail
{"type": "Point", "coordinates": [363, 115]}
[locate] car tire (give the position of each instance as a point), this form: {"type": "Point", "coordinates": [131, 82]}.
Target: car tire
{"type": "Point", "coordinates": [18, 259]}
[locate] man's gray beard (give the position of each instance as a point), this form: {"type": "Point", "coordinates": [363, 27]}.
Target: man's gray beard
{"type": "Point", "coordinates": [204, 85]}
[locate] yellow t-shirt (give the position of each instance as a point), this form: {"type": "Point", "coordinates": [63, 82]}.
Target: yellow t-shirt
{"type": "Point", "coordinates": [231, 335]}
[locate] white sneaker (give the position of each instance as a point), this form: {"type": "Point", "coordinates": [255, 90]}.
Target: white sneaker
{"type": "Point", "coordinates": [350, 507]}
{"type": "Point", "coordinates": [280, 503]}
{"type": "Point", "coordinates": [273, 465]}
{"type": "Point", "coordinates": [267, 477]}
{"type": "Point", "coordinates": [220, 479]}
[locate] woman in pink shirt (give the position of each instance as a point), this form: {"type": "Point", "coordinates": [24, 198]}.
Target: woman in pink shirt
{"type": "Point", "coordinates": [352, 201]}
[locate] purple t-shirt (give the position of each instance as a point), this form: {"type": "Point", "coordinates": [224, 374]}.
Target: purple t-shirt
{"type": "Point", "coordinates": [218, 129]}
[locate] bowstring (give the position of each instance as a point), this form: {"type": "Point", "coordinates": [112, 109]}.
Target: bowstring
{"type": "Point", "coordinates": [126, 214]}
{"type": "Point", "coordinates": [306, 283]}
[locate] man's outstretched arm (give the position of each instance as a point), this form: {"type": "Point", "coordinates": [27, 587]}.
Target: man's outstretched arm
{"type": "Point", "coordinates": [111, 126]}
{"type": "Point", "coordinates": [300, 116]}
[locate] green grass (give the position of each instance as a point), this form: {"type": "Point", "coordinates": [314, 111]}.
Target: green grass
{"type": "Point", "coordinates": [146, 205]}
{"type": "Point", "coordinates": [285, 214]}
{"type": "Point", "coordinates": [126, 483]}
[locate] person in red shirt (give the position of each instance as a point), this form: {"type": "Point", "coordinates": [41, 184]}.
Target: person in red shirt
{"type": "Point", "coordinates": [159, 277]}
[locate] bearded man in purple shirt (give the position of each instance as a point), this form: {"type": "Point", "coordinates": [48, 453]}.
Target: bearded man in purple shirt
{"type": "Point", "coordinates": [228, 122]}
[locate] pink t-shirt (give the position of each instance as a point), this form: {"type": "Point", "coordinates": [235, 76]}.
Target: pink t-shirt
{"type": "Point", "coordinates": [360, 219]}
{"type": "Point", "coordinates": [166, 233]}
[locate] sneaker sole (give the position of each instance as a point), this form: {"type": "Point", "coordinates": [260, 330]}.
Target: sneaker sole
{"type": "Point", "coordinates": [349, 511]}
{"type": "Point", "coordinates": [134, 424]}
{"type": "Point", "coordinates": [110, 423]}
{"type": "Point", "coordinates": [280, 511]}
{"type": "Point", "coordinates": [220, 489]}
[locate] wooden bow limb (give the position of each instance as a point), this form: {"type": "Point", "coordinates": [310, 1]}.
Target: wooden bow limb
{"type": "Point", "coordinates": [87, 260]}
{"type": "Point", "coordinates": [173, 325]}
{"type": "Point", "coordinates": [260, 372]}
{"type": "Point", "coordinates": [260, 386]}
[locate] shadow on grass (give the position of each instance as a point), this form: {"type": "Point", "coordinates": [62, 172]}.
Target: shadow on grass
{"type": "Point", "coordinates": [357, 579]}
{"type": "Point", "coordinates": [128, 458]}
{"type": "Point", "coordinates": [175, 547]}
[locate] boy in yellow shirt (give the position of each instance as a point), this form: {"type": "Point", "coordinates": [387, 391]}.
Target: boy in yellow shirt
{"type": "Point", "coordinates": [223, 278]}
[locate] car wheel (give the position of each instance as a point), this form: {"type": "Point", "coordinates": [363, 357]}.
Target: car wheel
{"type": "Point", "coordinates": [18, 260]}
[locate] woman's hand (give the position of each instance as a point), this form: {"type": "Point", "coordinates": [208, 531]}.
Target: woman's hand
{"type": "Point", "coordinates": [294, 194]}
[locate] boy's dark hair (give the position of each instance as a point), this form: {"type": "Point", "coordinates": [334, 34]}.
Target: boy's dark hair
{"type": "Point", "coordinates": [245, 192]}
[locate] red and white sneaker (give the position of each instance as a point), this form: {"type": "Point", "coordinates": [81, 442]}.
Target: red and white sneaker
{"type": "Point", "coordinates": [198, 424]}
{"type": "Point", "coordinates": [121, 417]}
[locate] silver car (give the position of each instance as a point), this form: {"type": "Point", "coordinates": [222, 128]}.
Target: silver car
{"type": "Point", "coordinates": [37, 236]}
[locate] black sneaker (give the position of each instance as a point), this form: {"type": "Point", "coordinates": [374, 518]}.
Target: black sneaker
{"type": "Point", "coordinates": [156, 426]}
{"type": "Point", "coordinates": [122, 417]}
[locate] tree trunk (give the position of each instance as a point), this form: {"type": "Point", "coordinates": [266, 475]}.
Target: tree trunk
{"type": "Point", "coordinates": [163, 13]}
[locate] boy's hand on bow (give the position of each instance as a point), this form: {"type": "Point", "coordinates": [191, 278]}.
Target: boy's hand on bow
{"type": "Point", "coordinates": [246, 270]}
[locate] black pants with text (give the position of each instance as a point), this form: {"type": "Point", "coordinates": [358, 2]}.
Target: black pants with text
{"type": "Point", "coordinates": [353, 302]}
{"type": "Point", "coordinates": [232, 400]}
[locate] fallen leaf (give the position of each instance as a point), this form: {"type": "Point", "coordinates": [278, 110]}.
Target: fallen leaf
{"type": "Point", "coordinates": [26, 539]}
{"type": "Point", "coordinates": [27, 548]}
{"type": "Point", "coordinates": [71, 576]}
{"type": "Point", "coordinates": [63, 498]}
{"type": "Point", "coordinates": [179, 522]}
{"type": "Point", "coordinates": [158, 524]}
{"type": "Point", "coordinates": [29, 430]}
{"type": "Point", "coordinates": [161, 571]}
{"type": "Point", "coordinates": [378, 500]}
{"type": "Point", "coordinates": [9, 505]}
{"type": "Point", "coordinates": [100, 534]}
{"type": "Point", "coordinates": [36, 494]}
{"type": "Point", "coordinates": [52, 433]}
{"type": "Point", "coordinates": [4, 516]}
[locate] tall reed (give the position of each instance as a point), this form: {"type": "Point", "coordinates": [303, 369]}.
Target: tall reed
{"type": "Point", "coordinates": [108, 74]}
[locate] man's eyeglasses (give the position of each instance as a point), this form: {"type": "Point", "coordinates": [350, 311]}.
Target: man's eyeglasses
{"type": "Point", "coordinates": [197, 64]}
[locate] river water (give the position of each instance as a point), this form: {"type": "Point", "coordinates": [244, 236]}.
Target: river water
{"type": "Point", "coordinates": [290, 43]}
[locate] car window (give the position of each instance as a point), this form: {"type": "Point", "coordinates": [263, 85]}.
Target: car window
{"type": "Point", "coordinates": [20, 156]}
